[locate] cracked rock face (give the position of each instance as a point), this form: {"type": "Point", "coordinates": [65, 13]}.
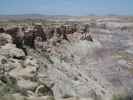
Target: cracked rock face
{"type": "Point", "coordinates": [72, 76]}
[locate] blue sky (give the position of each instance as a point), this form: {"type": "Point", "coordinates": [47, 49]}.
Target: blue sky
{"type": "Point", "coordinates": [67, 7]}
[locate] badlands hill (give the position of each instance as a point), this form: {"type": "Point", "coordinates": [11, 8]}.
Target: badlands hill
{"type": "Point", "coordinates": [101, 69]}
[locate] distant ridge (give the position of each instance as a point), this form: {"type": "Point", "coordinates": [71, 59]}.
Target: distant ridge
{"type": "Point", "coordinates": [50, 17]}
{"type": "Point", "coordinates": [32, 16]}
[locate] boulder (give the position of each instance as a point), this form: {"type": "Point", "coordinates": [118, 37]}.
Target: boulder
{"type": "Point", "coordinates": [10, 51]}
{"type": "Point", "coordinates": [26, 84]}
{"type": "Point", "coordinates": [5, 38]}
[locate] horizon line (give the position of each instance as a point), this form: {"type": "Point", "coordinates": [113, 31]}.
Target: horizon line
{"type": "Point", "coordinates": [91, 14]}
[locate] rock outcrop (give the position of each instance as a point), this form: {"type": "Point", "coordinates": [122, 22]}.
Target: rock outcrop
{"type": "Point", "coordinates": [18, 74]}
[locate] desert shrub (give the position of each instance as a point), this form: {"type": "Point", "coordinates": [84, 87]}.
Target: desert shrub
{"type": "Point", "coordinates": [7, 97]}
{"type": "Point", "coordinates": [122, 97]}
{"type": "Point", "coordinates": [51, 98]}
{"type": "Point", "coordinates": [7, 86]}
{"type": "Point", "coordinates": [67, 96]}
